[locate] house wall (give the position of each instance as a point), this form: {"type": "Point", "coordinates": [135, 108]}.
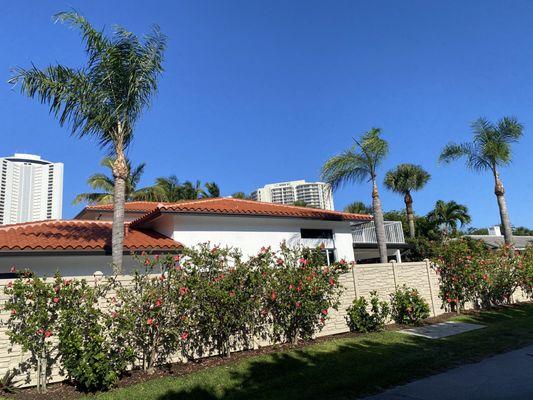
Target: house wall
{"type": "Point", "coordinates": [74, 265]}
{"type": "Point", "coordinates": [251, 233]}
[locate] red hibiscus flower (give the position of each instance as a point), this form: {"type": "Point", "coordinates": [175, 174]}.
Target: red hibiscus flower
{"type": "Point", "coordinates": [183, 291]}
{"type": "Point", "coordinates": [47, 334]}
{"type": "Point", "coordinates": [273, 295]}
{"type": "Point", "coordinates": [13, 269]}
{"type": "Point", "coordinates": [325, 312]}
{"type": "Point", "coordinates": [184, 335]}
{"type": "Point", "coordinates": [55, 300]}
{"type": "Point", "coordinates": [298, 304]}
{"type": "Point", "coordinates": [149, 321]}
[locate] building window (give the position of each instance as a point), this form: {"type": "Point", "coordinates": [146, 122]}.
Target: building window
{"type": "Point", "coordinates": [316, 233]}
{"type": "Point", "coordinates": [329, 256]}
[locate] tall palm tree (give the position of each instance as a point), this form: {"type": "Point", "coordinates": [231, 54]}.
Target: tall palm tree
{"type": "Point", "coordinates": [104, 99]}
{"type": "Point", "coordinates": [447, 215]}
{"type": "Point", "coordinates": [106, 185]}
{"type": "Point", "coordinates": [489, 150]}
{"type": "Point", "coordinates": [358, 164]}
{"type": "Point", "coordinates": [404, 179]}
{"type": "Point", "coordinates": [358, 207]}
{"type": "Point", "coordinates": [240, 195]}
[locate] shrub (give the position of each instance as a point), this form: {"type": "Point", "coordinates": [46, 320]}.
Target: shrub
{"type": "Point", "coordinates": [301, 290]}
{"type": "Point", "coordinates": [469, 271]}
{"type": "Point", "coordinates": [408, 307]}
{"type": "Point", "coordinates": [151, 315]}
{"type": "Point", "coordinates": [33, 321]}
{"type": "Point", "coordinates": [226, 296]}
{"type": "Point", "coordinates": [87, 352]}
{"type": "Point", "coordinates": [360, 319]}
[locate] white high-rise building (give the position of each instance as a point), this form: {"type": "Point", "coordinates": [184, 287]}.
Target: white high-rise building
{"type": "Point", "coordinates": [314, 194]}
{"type": "Point", "coordinates": [31, 189]}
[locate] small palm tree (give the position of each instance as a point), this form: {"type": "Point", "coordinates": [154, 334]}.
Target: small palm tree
{"type": "Point", "coordinates": [106, 185]}
{"type": "Point", "coordinates": [240, 195]}
{"type": "Point", "coordinates": [212, 190]}
{"type": "Point", "coordinates": [407, 178]}
{"type": "Point", "coordinates": [358, 164]}
{"type": "Point", "coordinates": [447, 215]}
{"type": "Point", "coordinates": [169, 189]}
{"type": "Point", "coordinates": [358, 207]}
{"type": "Point", "coordinates": [104, 99]}
{"type": "Point", "coordinates": [490, 150]}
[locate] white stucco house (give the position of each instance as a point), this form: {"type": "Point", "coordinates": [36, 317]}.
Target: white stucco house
{"type": "Point", "coordinates": [82, 246]}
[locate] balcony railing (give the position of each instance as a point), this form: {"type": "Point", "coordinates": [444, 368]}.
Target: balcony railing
{"type": "Point", "coordinates": [366, 232]}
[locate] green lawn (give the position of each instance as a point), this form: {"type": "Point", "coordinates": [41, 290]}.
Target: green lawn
{"type": "Point", "coordinates": [345, 367]}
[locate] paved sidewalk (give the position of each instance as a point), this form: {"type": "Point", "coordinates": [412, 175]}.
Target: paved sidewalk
{"type": "Point", "coordinates": [505, 376]}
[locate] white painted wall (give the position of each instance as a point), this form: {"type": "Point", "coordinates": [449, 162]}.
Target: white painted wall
{"type": "Point", "coordinates": [74, 265]}
{"type": "Point", "coordinates": [251, 233]}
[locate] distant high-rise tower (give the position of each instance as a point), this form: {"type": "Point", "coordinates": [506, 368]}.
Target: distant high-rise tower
{"type": "Point", "coordinates": [31, 189]}
{"type": "Point", "coordinates": [314, 194]}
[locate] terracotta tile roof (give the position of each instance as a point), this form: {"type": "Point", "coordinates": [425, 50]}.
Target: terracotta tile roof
{"type": "Point", "coordinates": [131, 206]}
{"type": "Point", "coordinates": [231, 206]}
{"type": "Point", "coordinates": [78, 235]}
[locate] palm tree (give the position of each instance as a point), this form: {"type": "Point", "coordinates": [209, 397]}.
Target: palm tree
{"type": "Point", "coordinates": [212, 190]}
{"type": "Point", "coordinates": [405, 179]}
{"type": "Point", "coordinates": [448, 215]}
{"type": "Point", "coordinates": [106, 185]}
{"type": "Point", "coordinates": [358, 207]}
{"type": "Point", "coordinates": [358, 164]}
{"type": "Point", "coordinates": [240, 195]}
{"type": "Point", "coordinates": [169, 189]}
{"type": "Point", "coordinates": [104, 99]}
{"type": "Point", "coordinates": [489, 150]}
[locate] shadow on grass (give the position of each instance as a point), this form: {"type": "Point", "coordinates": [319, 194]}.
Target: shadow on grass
{"type": "Point", "coordinates": [348, 368]}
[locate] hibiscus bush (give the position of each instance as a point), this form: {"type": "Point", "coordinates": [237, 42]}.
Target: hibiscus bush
{"type": "Point", "coordinates": [151, 315]}
{"type": "Point", "coordinates": [226, 299]}
{"type": "Point", "coordinates": [34, 309]}
{"type": "Point", "coordinates": [301, 290]}
{"type": "Point", "coordinates": [408, 307]}
{"type": "Point", "coordinates": [364, 317]}
{"type": "Point", "coordinates": [88, 354]}
{"type": "Point", "coordinates": [470, 272]}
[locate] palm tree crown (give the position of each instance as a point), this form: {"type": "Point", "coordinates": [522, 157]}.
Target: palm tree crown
{"type": "Point", "coordinates": [104, 99]}
{"type": "Point", "coordinates": [358, 207]}
{"type": "Point", "coordinates": [105, 185]}
{"type": "Point", "coordinates": [404, 179]}
{"type": "Point", "coordinates": [448, 215]}
{"type": "Point", "coordinates": [169, 189]}
{"type": "Point", "coordinates": [489, 150]}
{"type": "Point", "coordinates": [359, 164]}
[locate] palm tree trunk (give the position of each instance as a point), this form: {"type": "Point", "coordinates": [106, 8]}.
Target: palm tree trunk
{"type": "Point", "coordinates": [410, 215]}
{"type": "Point", "coordinates": [379, 223]}
{"type": "Point", "coordinates": [120, 173]}
{"type": "Point", "coordinates": [499, 191]}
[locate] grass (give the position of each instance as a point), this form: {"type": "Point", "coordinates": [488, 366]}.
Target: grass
{"type": "Point", "coordinates": [343, 368]}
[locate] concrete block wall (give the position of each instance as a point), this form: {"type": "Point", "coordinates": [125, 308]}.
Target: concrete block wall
{"type": "Point", "coordinates": [359, 281]}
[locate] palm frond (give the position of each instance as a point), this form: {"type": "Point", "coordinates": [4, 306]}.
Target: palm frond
{"type": "Point", "coordinates": [93, 198]}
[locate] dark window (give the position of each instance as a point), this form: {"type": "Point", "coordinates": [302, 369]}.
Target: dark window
{"type": "Point", "coordinates": [329, 256]}
{"type": "Point", "coordinates": [316, 233]}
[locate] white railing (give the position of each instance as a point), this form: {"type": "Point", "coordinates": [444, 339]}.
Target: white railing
{"type": "Point", "coordinates": [366, 233]}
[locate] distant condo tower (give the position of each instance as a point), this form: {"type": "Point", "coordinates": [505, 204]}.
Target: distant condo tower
{"type": "Point", "coordinates": [313, 194]}
{"type": "Point", "coordinates": [31, 189]}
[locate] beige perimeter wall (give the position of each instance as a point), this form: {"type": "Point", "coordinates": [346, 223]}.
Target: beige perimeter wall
{"type": "Point", "coordinates": [359, 281]}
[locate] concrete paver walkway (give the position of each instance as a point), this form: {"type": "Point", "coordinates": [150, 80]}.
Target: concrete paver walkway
{"type": "Point", "coordinates": [505, 376]}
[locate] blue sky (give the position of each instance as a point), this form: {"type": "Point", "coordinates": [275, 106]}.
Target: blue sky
{"type": "Point", "coordinates": [256, 92]}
